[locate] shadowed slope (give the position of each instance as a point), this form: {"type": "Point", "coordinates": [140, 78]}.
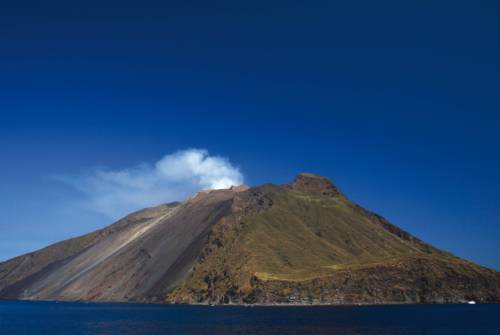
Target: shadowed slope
{"type": "Point", "coordinates": [133, 263]}
{"type": "Point", "coordinates": [23, 267]}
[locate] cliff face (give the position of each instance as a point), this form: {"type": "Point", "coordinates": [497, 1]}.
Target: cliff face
{"type": "Point", "coordinates": [303, 242]}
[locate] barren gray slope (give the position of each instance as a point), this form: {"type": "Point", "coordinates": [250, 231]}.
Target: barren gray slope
{"type": "Point", "coordinates": [142, 259]}
{"type": "Point", "coordinates": [24, 267]}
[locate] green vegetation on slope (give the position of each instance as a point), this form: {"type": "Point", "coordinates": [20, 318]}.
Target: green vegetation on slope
{"type": "Point", "coordinates": [304, 236]}
{"type": "Point", "coordinates": [300, 237]}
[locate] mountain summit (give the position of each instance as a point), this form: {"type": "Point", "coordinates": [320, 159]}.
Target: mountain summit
{"type": "Point", "coordinates": [314, 184]}
{"type": "Point", "coordinates": [298, 243]}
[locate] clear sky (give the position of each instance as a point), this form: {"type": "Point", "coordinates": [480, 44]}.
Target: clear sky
{"type": "Point", "coordinates": [397, 102]}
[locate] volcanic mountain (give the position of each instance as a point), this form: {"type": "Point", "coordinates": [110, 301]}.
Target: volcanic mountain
{"type": "Point", "coordinates": [299, 243]}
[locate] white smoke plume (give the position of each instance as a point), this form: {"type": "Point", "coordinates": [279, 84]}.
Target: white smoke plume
{"type": "Point", "coordinates": [176, 176]}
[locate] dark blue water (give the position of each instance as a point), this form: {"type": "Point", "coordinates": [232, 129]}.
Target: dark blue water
{"type": "Point", "coordinates": [75, 318]}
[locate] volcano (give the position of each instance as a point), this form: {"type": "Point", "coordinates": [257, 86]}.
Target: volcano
{"type": "Point", "coordinates": [300, 243]}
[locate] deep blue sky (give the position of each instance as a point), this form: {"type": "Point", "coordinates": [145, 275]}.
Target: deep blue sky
{"type": "Point", "coordinates": [398, 102]}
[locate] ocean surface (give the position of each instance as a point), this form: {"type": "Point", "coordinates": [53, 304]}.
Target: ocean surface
{"type": "Point", "coordinates": [80, 318]}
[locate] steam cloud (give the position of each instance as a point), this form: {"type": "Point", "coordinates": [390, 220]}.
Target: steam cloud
{"type": "Point", "coordinates": [176, 176]}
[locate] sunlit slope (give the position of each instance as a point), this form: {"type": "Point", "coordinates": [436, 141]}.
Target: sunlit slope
{"type": "Point", "coordinates": [303, 246]}
{"type": "Point", "coordinates": [303, 236]}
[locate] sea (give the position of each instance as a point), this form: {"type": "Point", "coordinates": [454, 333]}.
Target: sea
{"type": "Point", "coordinates": [20, 317]}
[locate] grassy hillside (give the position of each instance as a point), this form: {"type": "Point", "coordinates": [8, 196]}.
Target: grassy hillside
{"type": "Point", "coordinates": [303, 239]}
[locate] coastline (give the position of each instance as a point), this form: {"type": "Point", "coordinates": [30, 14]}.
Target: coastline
{"type": "Point", "coordinates": [282, 305]}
